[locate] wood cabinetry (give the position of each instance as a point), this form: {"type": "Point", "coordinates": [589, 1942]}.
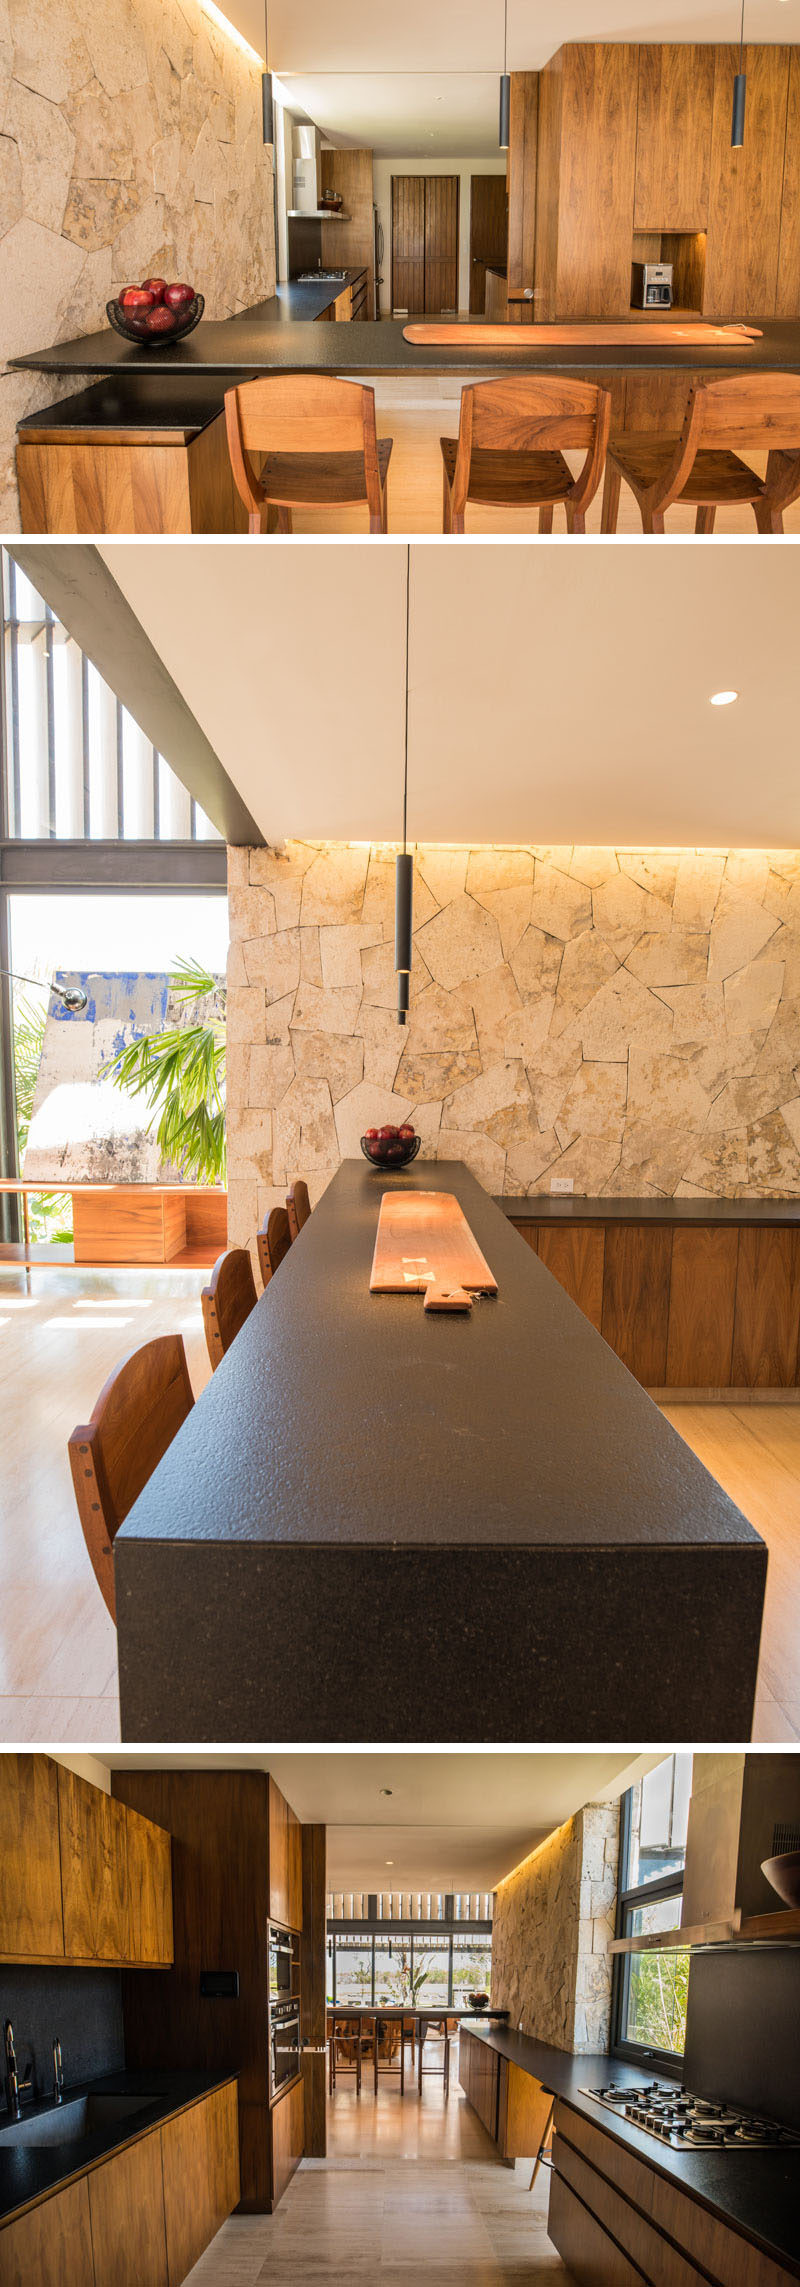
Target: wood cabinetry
{"type": "Point", "coordinates": [94, 1871]}
{"type": "Point", "coordinates": [673, 143]}
{"type": "Point", "coordinates": [348, 245]}
{"type": "Point", "coordinates": [31, 1919]}
{"type": "Point", "coordinates": [788, 294]}
{"type": "Point", "coordinates": [149, 1851]}
{"type": "Point", "coordinates": [524, 2113]}
{"type": "Point", "coordinates": [746, 187]}
{"type": "Point", "coordinates": [576, 1259]}
{"type": "Point", "coordinates": [285, 1862]}
{"type": "Point", "coordinates": [200, 2154]}
{"type": "Point", "coordinates": [618, 2223]}
{"type": "Point", "coordinates": [479, 2074]}
{"type": "Point", "coordinates": [767, 1314]}
{"type": "Point", "coordinates": [636, 1297]}
{"type": "Point", "coordinates": [97, 479]}
{"type": "Point", "coordinates": [287, 2123]}
{"type": "Point", "coordinates": [585, 181]}
{"type": "Point", "coordinates": [51, 2246]}
{"type": "Point", "coordinates": [701, 1300]}
{"type": "Point", "coordinates": [522, 185]}
{"type": "Point", "coordinates": [126, 2205]}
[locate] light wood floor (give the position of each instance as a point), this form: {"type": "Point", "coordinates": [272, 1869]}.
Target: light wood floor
{"type": "Point", "coordinates": [61, 1333]}
{"type": "Point", "coordinates": [415, 489]}
{"type": "Point", "coordinates": [410, 2190]}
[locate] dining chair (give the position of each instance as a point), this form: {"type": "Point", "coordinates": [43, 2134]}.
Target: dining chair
{"type": "Point", "coordinates": [389, 2044]}
{"type": "Point", "coordinates": [138, 1413]}
{"type": "Point", "coordinates": [510, 448]}
{"type": "Point", "coordinates": [227, 1301]}
{"type": "Point", "coordinates": [349, 2041]}
{"type": "Point", "coordinates": [440, 2032]}
{"type": "Point", "coordinates": [315, 446]}
{"type": "Point", "coordinates": [273, 1242]}
{"type": "Point", "coordinates": [298, 1206]}
{"type": "Point", "coordinates": [702, 468]}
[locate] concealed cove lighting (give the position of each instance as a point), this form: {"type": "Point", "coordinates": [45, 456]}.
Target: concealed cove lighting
{"type": "Point", "coordinates": [739, 95]}
{"type": "Point", "coordinates": [404, 866]}
{"type": "Point", "coordinates": [723, 698]}
{"type": "Point", "coordinates": [217, 17]}
{"type": "Point", "coordinates": [505, 88]}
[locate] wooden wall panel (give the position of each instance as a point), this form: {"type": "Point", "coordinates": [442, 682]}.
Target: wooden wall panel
{"type": "Point", "coordinates": [522, 171]}
{"type": "Point", "coordinates": [52, 2245]}
{"type": "Point", "coordinates": [488, 234]}
{"type": "Point", "coordinates": [149, 1890]}
{"type": "Point", "coordinates": [93, 1871]}
{"type": "Point", "coordinates": [744, 215]}
{"type": "Point", "coordinates": [287, 2125]}
{"type": "Point", "coordinates": [408, 243]}
{"type": "Point", "coordinates": [767, 1316]}
{"type": "Point", "coordinates": [576, 1258]}
{"type": "Point", "coordinates": [702, 1297]}
{"type": "Point", "coordinates": [285, 1861]}
{"type": "Point", "coordinates": [636, 1297]}
{"type": "Point", "coordinates": [126, 2204]}
{"type": "Point", "coordinates": [597, 174]}
{"type": "Point", "coordinates": [548, 163]}
{"type": "Point", "coordinates": [349, 245]}
{"type": "Point", "coordinates": [673, 144]}
{"type": "Point", "coordinates": [31, 1919]}
{"type": "Point", "coordinates": [441, 243]}
{"type": "Point", "coordinates": [314, 1964]}
{"type": "Point", "coordinates": [787, 302]}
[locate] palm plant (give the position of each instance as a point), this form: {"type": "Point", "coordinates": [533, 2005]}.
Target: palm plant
{"type": "Point", "coordinates": [181, 1071]}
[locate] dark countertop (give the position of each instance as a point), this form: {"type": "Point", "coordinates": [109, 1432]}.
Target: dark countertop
{"type": "Point", "coordinates": [692, 1211]}
{"type": "Point", "coordinates": [297, 301]}
{"type": "Point", "coordinates": [28, 2172]}
{"type": "Point", "coordinates": [250, 344]}
{"type": "Point", "coordinates": [758, 2193]}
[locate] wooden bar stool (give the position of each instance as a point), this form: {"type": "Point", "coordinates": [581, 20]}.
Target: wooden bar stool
{"type": "Point", "coordinates": [443, 2031]}
{"type": "Point", "coordinates": [138, 1413]}
{"type": "Point", "coordinates": [315, 443]}
{"type": "Point", "coordinates": [345, 2050]}
{"type": "Point", "coordinates": [389, 2044]}
{"type": "Point", "coordinates": [298, 1206]}
{"type": "Point", "coordinates": [510, 448]}
{"type": "Point", "coordinates": [227, 1301]}
{"type": "Point", "coordinates": [741, 413]}
{"type": "Point", "coordinates": [273, 1241]}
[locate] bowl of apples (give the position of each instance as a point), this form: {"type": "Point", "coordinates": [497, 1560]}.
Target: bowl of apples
{"type": "Point", "coordinates": [390, 1147]}
{"type": "Point", "coordinates": [155, 312]}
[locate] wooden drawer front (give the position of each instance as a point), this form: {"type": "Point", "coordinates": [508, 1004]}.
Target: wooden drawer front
{"type": "Point", "coordinates": [592, 2259]}
{"type": "Point", "coordinates": [93, 1871]}
{"type": "Point", "coordinates": [576, 1259]}
{"type": "Point", "coordinates": [636, 1297]}
{"type": "Point", "coordinates": [31, 1920]}
{"type": "Point", "coordinates": [719, 2252]}
{"type": "Point", "coordinates": [149, 1852]}
{"type": "Point", "coordinates": [52, 2245]}
{"type": "Point", "coordinates": [701, 1307]}
{"type": "Point", "coordinates": [200, 2154]}
{"type": "Point", "coordinates": [767, 1317]}
{"type": "Point", "coordinates": [659, 2263]}
{"type": "Point", "coordinates": [126, 2202]}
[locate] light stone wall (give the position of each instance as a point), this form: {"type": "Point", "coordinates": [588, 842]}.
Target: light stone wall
{"type": "Point", "coordinates": [130, 146]}
{"type": "Point", "coordinates": [631, 1019]}
{"type": "Point", "coordinates": [553, 1924]}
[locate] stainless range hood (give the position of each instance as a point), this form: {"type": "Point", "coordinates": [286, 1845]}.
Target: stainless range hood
{"type": "Point", "coordinates": [738, 1803]}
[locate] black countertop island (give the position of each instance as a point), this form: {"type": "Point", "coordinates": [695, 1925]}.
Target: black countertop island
{"type": "Point", "coordinates": [378, 1524]}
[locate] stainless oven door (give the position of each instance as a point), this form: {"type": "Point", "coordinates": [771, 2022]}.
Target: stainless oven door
{"type": "Point", "coordinates": [284, 2051]}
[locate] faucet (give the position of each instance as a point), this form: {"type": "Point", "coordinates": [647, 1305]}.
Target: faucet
{"type": "Point", "coordinates": [14, 2086]}
{"type": "Point", "coordinates": [58, 2073]}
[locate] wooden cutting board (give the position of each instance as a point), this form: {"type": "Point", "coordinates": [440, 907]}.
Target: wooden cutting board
{"type": "Point", "coordinates": [422, 1237]}
{"type": "Point", "coordinates": [644, 333]}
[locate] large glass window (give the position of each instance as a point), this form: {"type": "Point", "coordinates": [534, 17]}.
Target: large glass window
{"type": "Point", "coordinates": [418, 1968]}
{"type": "Point", "coordinates": [472, 1969]}
{"type": "Point", "coordinates": [650, 1988]}
{"type": "Point", "coordinates": [353, 1972]}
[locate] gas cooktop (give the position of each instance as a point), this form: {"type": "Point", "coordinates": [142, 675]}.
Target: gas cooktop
{"type": "Point", "coordinates": [320, 277]}
{"type": "Point", "coordinates": [691, 2123]}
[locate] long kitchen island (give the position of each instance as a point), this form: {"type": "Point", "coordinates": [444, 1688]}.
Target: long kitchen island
{"type": "Point", "coordinates": [379, 1523]}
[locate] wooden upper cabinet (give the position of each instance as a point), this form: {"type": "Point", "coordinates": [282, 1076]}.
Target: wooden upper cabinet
{"type": "Point", "coordinates": [31, 1921]}
{"type": "Point", "coordinates": [747, 186]}
{"type": "Point", "coordinates": [149, 1852]}
{"type": "Point", "coordinates": [586, 178]}
{"type": "Point", "coordinates": [636, 1297]}
{"type": "Point", "coordinates": [93, 1871]}
{"type": "Point", "coordinates": [285, 1862]}
{"type": "Point", "coordinates": [787, 303]}
{"type": "Point", "coordinates": [673, 145]}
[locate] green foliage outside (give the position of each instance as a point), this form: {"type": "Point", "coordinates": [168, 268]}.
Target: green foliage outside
{"type": "Point", "coordinates": [181, 1071]}
{"type": "Point", "coordinates": [50, 1214]}
{"type": "Point", "coordinates": [659, 1984]}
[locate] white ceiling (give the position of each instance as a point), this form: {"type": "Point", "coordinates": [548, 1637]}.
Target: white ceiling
{"type": "Point", "coordinates": [420, 78]}
{"type": "Point", "coordinates": [453, 1821]}
{"type": "Point", "coordinates": [557, 693]}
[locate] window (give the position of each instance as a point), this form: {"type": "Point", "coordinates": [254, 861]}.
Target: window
{"type": "Point", "coordinates": [423, 1967]}
{"type": "Point", "coordinates": [472, 1968]}
{"type": "Point", "coordinates": [650, 1988]}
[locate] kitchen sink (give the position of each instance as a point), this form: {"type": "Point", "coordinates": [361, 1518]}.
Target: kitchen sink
{"type": "Point", "coordinates": [77, 2117]}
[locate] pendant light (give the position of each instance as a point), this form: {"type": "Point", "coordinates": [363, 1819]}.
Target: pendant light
{"type": "Point", "coordinates": [404, 866]}
{"type": "Point", "coordinates": [739, 95]}
{"type": "Point", "coordinates": [505, 87]}
{"type": "Point", "coordinates": [267, 109]}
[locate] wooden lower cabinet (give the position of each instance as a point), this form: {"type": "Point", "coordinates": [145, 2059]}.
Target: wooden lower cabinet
{"type": "Point", "coordinates": [479, 2074]}
{"type": "Point", "coordinates": [576, 1259]}
{"type": "Point", "coordinates": [126, 2205]}
{"type": "Point", "coordinates": [701, 1305]}
{"type": "Point", "coordinates": [143, 2217]}
{"type": "Point", "coordinates": [524, 2114]}
{"type": "Point", "coordinates": [128, 1224]}
{"type": "Point", "coordinates": [31, 1917]}
{"type": "Point", "coordinates": [85, 480]}
{"type": "Point", "coordinates": [619, 2223]}
{"type": "Point", "coordinates": [200, 2154]}
{"type": "Point", "coordinates": [767, 1319]}
{"type": "Point", "coordinates": [51, 2246]}
{"type": "Point", "coordinates": [287, 2136]}
{"type": "Point", "coordinates": [636, 1297]}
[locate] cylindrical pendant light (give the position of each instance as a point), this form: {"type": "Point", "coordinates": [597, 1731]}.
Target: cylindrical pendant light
{"type": "Point", "coordinates": [404, 866]}
{"type": "Point", "coordinates": [505, 88]}
{"type": "Point", "coordinates": [267, 108]}
{"type": "Point", "coordinates": [739, 95]}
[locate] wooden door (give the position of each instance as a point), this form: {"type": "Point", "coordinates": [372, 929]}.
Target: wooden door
{"type": "Point", "coordinates": [488, 234]}
{"type": "Point", "coordinates": [31, 1921]}
{"type": "Point", "coordinates": [744, 214]}
{"type": "Point", "coordinates": [93, 1871]}
{"type": "Point", "coordinates": [441, 244]}
{"type": "Point", "coordinates": [701, 1303]}
{"type": "Point", "coordinates": [787, 303]}
{"type": "Point", "coordinates": [126, 2200]}
{"type": "Point", "coordinates": [575, 1258]}
{"type": "Point", "coordinates": [424, 243]}
{"type": "Point", "coordinates": [673, 146]}
{"type": "Point", "coordinates": [636, 1298]}
{"type": "Point", "coordinates": [149, 1852]}
{"type": "Point", "coordinates": [767, 1319]}
{"type": "Point", "coordinates": [408, 243]}
{"type": "Point", "coordinates": [52, 2244]}
{"type": "Point", "coordinates": [200, 2157]}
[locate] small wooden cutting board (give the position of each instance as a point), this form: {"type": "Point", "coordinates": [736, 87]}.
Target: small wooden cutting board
{"type": "Point", "coordinates": [424, 1239]}
{"type": "Point", "coordinates": [688, 333]}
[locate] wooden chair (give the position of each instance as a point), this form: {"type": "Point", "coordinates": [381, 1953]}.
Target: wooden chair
{"type": "Point", "coordinates": [137, 1415]}
{"type": "Point", "coordinates": [442, 2032]}
{"type": "Point", "coordinates": [389, 2045]}
{"type": "Point", "coordinates": [227, 1301]}
{"type": "Point", "coordinates": [273, 1241]}
{"type": "Point", "coordinates": [351, 2039]}
{"type": "Point", "coordinates": [316, 445]}
{"type": "Point", "coordinates": [298, 1206]}
{"type": "Point", "coordinates": [509, 451]}
{"type": "Point", "coordinates": [741, 413]}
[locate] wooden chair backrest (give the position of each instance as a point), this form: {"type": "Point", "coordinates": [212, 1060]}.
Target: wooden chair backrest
{"type": "Point", "coordinates": [227, 1300]}
{"type": "Point", "coordinates": [302, 413]}
{"type": "Point", "coordinates": [298, 1206]}
{"type": "Point", "coordinates": [137, 1415]}
{"type": "Point", "coordinates": [273, 1240]}
{"type": "Point", "coordinates": [534, 413]}
{"type": "Point", "coordinates": [747, 412]}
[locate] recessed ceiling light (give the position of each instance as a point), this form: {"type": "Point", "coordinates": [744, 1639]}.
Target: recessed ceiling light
{"type": "Point", "coordinates": [723, 698]}
{"type": "Point", "coordinates": [390, 1861]}
{"type": "Point", "coordinates": [384, 1790]}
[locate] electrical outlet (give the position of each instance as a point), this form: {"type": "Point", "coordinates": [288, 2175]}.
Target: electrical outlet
{"type": "Point", "coordinates": [561, 1183]}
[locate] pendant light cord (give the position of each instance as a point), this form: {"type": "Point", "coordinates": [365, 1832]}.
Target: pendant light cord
{"type": "Point", "coordinates": [505, 37]}
{"type": "Point", "coordinates": [266, 39]}
{"type": "Point", "coordinates": [408, 623]}
{"type": "Point", "coordinates": [741, 39]}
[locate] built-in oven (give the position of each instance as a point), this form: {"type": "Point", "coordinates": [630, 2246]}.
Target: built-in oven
{"type": "Point", "coordinates": [284, 2045]}
{"type": "Point", "coordinates": [280, 1965]}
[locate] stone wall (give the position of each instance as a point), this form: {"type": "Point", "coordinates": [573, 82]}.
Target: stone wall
{"type": "Point", "coordinates": [553, 1923]}
{"type": "Point", "coordinates": [629, 1019]}
{"type": "Point", "coordinates": [130, 145]}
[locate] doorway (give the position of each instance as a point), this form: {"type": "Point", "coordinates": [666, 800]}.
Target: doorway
{"type": "Point", "coordinates": [425, 212]}
{"type": "Point", "coordinates": [488, 235]}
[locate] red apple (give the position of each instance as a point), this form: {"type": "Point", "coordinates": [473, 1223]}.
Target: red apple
{"type": "Point", "coordinates": [160, 321]}
{"type": "Point", "coordinates": [136, 298]}
{"type": "Point", "coordinates": [178, 297]}
{"type": "Point", "coordinates": [394, 1153]}
{"type": "Point", "coordinates": [156, 286]}
{"type": "Point", "coordinates": [406, 1135]}
{"type": "Point", "coordinates": [371, 1135]}
{"type": "Point", "coordinates": [388, 1135]}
